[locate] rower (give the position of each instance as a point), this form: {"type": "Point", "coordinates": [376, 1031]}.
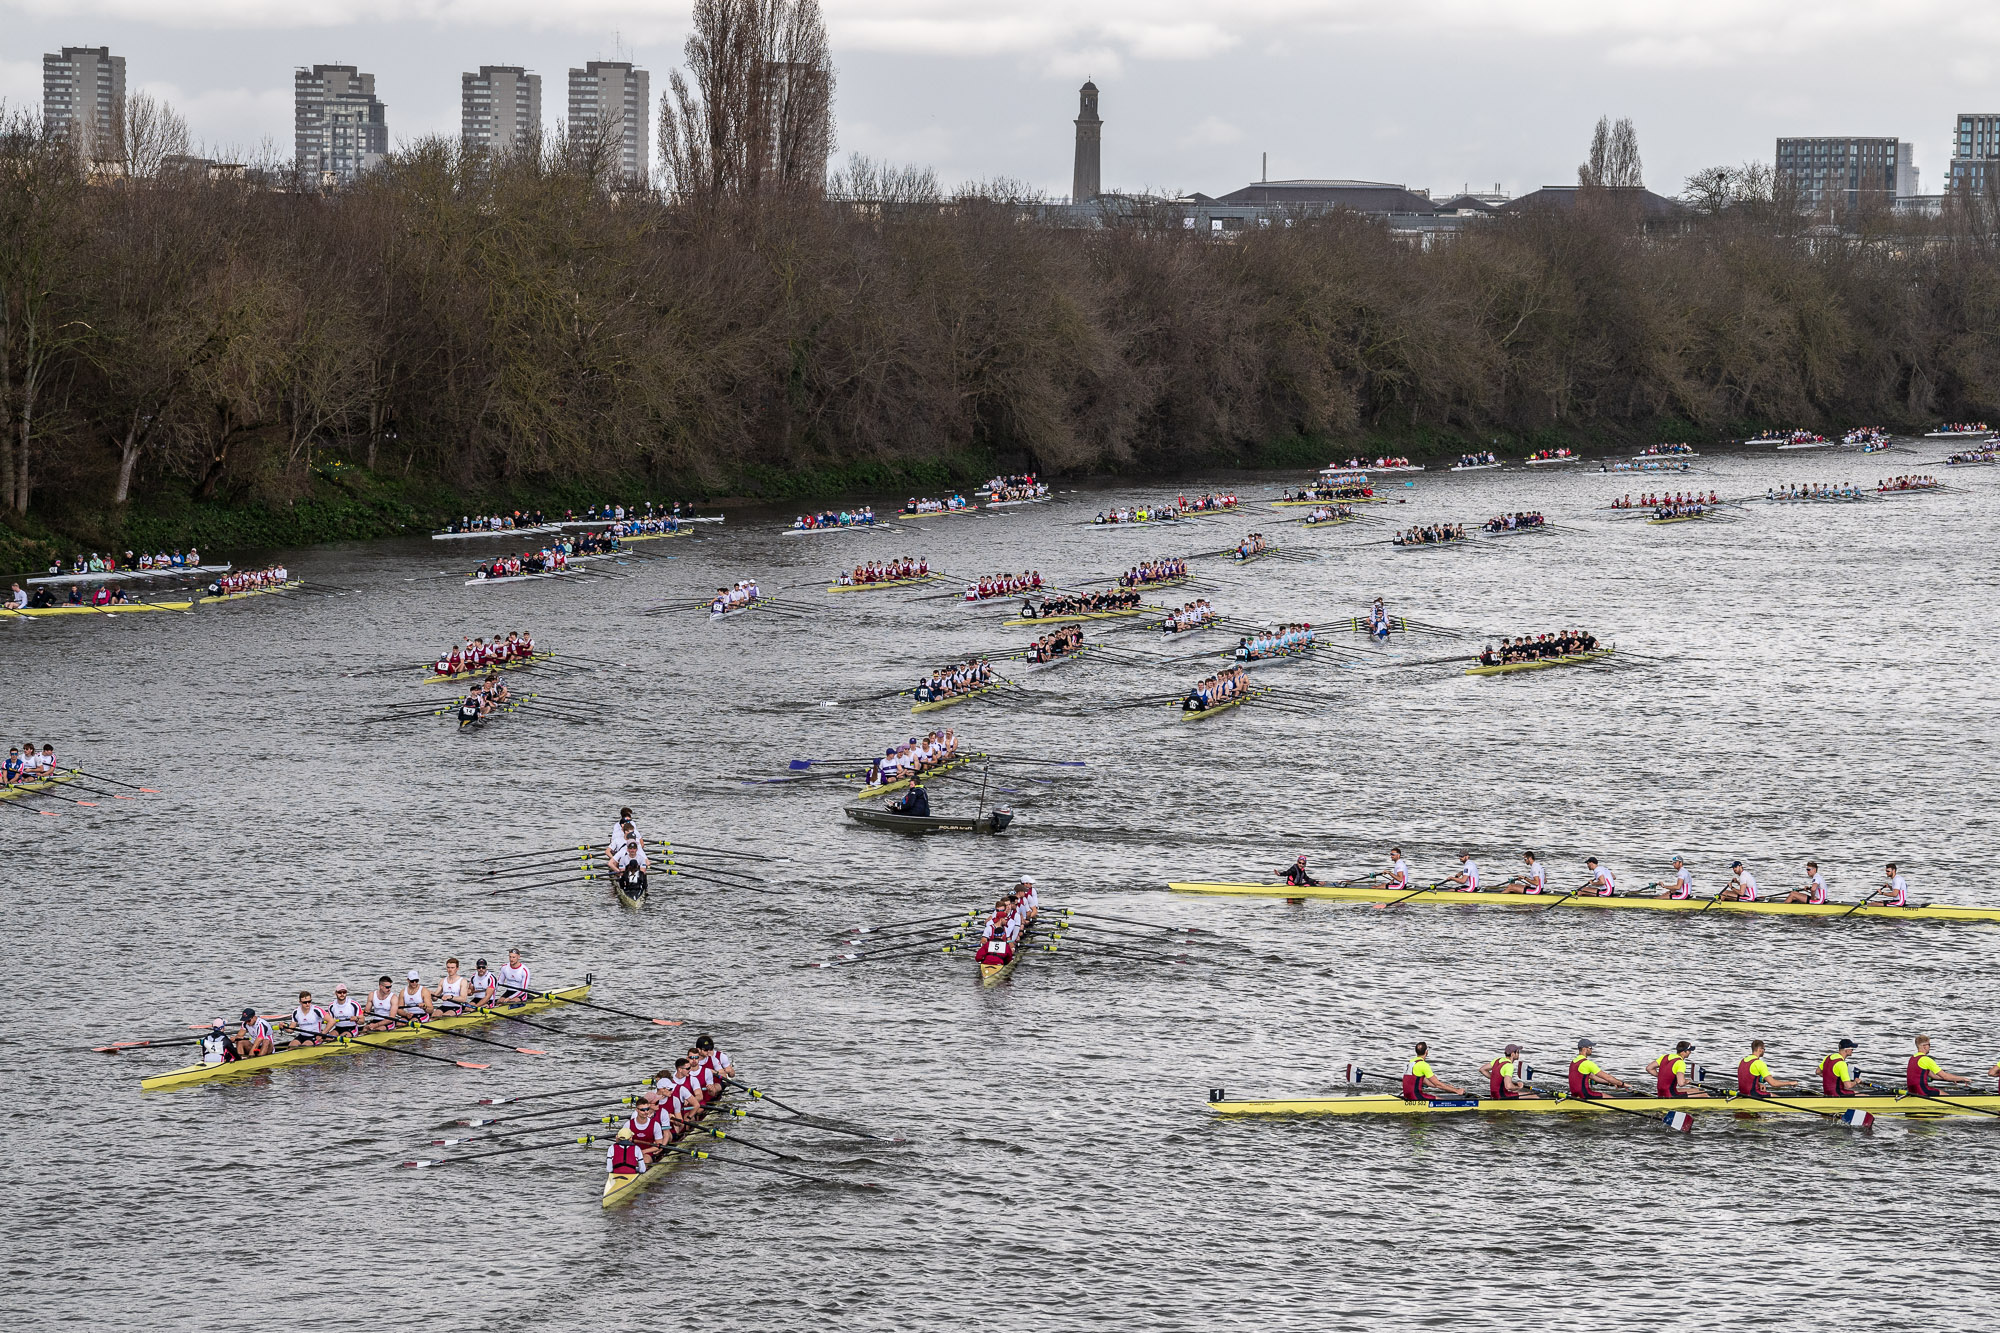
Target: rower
{"type": "Point", "coordinates": [485, 985]}
{"type": "Point", "coordinates": [453, 994]}
{"type": "Point", "coordinates": [1295, 874]}
{"type": "Point", "coordinates": [1532, 879]}
{"type": "Point", "coordinates": [915, 801]}
{"type": "Point", "coordinates": [344, 1013]}
{"type": "Point", "coordinates": [1399, 871]}
{"type": "Point", "coordinates": [1894, 892]}
{"type": "Point", "coordinates": [623, 827]}
{"type": "Point", "coordinates": [413, 1003]}
{"type": "Point", "coordinates": [1503, 1075]}
{"type": "Point", "coordinates": [1601, 884]}
{"type": "Point", "coordinates": [1682, 888]}
{"type": "Point", "coordinates": [647, 1127]}
{"type": "Point", "coordinates": [1420, 1083]}
{"type": "Point", "coordinates": [1585, 1074]}
{"type": "Point", "coordinates": [310, 1024]}
{"type": "Point", "coordinates": [1753, 1076]}
{"type": "Point", "coordinates": [1742, 886]}
{"type": "Point", "coordinates": [720, 1066]}
{"type": "Point", "coordinates": [1813, 890]}
{"type": "Point", "coordinates": [382, 1004]}
{"type": "Point", "coordinates": [1670, 1073]}
{"type": "Point", "coordinates": [1467, 878]}
{"type": "Point", "coordinates": [1836, 1071]}
{"type": "Point", "coordinates": [254, 1036]}
{"type": "Point", "coordinates": [514, 979]}
{"type": "Point", "coordinates": [630, 865]}
{"type": "Point", "coordinates": [1924, 1073]}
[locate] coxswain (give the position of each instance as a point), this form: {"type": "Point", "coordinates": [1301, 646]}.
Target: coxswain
{"type": "Point", "coordinates": [1813, 890]}
{"type": "Point", "coordinates": [472, 707]}
{"type": "Point", "coordinates": [413, 1003]}
{"type": "Point", "coordinates": [514, 979]}
{"type": "Point", "coordinates": [1420, 1083]}
{"type": "Point", "coordinates": [311, 1024]}
{"type": "Point", "coordinates": [1587, 1077]}
{"type": "Point", "coordinates": [216, 1048]}
{"type": "Point", "coordinates": [254, 1036]}
{"type": "Point", "coordinates": [1670, 1072]}
{"type": "Point", "coordinates": [1532, 879]}
{"type": "Point", "coordinates": [629, 863]}
{"type": "Point", "coordinates": [1742, 886]}
{"type": "Point", "coordinates": [344, 1013]}
{"type": "Point", "coordinates": [1467, 878]}
{"type": "Point", "coordinates": [382, 1004]}
{"type": "Point", "coordinates": [1503, 1075]}
{"type": "Point", "coordinates": [1295, 874]}
{"type": "Point", "coordinates": [1753, 1076]}
{"type": "Point", "coordinates": [453, 993]}
{"type": "Point", "coordinates": [915, 801]}
{"type": "Point", "coordinates": [1924, 1073]}
{"type": "Point", "coordinates": [1836, 1071]}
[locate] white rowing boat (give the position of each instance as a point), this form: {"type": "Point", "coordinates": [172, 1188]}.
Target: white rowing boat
{"type": "Point", "coordinates": [541, 531]}
{"type": "Point", "coordinates": [121, 575]}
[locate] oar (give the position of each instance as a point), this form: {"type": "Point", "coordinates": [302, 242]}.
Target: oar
{"type": "Point", "coordinates": [1684, 1126]}
{"type": "Point", "coordinates": [920, 921]}
{"type": "Point", "coordinates": [622, 1013]}
{"type": "Point", "coordinates": [117, 1046]}
{"type": "Point", "coordinates": [1119, 950]}
{"type": "Point", "coordinates": [1173, 930]}
{"type": "Point", "coordinates": [13, 804]}
{"type": "Point", "coordinates": [671, 845]}
{"type": "Point", "coordinates": [473, 1122]}
{"type": "Point", "coordinates": [502, 1152]}
{"type": "Point", "coordinates": [1857, 907]}
{"type": "Point", "coordinates": [560, 1092]}
{"type": "Point", "coordinates": [819, 1122]}
{"type": "Point", "coordinates": [699, 1155]}
{"type": "Point", "coordinates": [1941, 1101]}
{"type": "Point", "coordinates": [420, 1055]}
{"type": "Point", "coordinates": [741, 1114]}
{"type": "Point", "coordinates": [114, 781]}
{"type": "Point", "coordinates": [1842, 1116]}
{"type": "Point", "coordinates": [1565, 898]}
{"type": "Point", "coordinates": [890, 951]}
{"type": "Point", "coordinates": [725, 1134]}
{"type": "Point", "coordinates": [1413, 893]}
{"type": "Point", "coordinates": [523, 856]}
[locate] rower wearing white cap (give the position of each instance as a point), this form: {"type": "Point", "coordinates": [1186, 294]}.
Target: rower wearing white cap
{"type": "Point", "coordinates": [413, 1002]}
{"type": "Point", "coordinates": [1025, 899]}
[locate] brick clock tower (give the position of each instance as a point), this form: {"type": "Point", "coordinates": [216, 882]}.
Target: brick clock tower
{"type": "Point", "coordinates": [1089, 131]}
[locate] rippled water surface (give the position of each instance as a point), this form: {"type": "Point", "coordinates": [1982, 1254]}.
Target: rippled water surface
{"type": "Point", "coordinates": [1798, 681]}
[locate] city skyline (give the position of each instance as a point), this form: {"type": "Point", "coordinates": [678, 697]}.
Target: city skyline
{"type": "Point", "coordinates": [1399, 116]}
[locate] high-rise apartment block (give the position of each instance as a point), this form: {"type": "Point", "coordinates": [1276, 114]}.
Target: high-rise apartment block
{"type": "Point", "coordinates": [1975, 155]}
{"type": "Point", "coordinates": [1846, 173]}
{"type": "Point", "coordinates": [500, 110]}
{"type": "Point", "coordinates": [83, 93]}
{"type": "Point", "coordinates": [610, 103]}
{"type": "Point", "coordinates": [339, 129]}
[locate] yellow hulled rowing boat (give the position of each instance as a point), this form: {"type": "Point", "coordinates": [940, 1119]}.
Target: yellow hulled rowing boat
{"type": "Point", "coordinates": [192, 1074]}
{"type": "Point", "coordinates": [20, 789]}
{"type": "Point", "coordinates": [885, 583]}
{"type": "Point", "coordinates": [623, 1189]}
{"type": "Point", "coordinates": [1541, 663]}
{"type": "Point", "coordinates": [1077, 617]}
{"type": "Point", "coordinates": [1903, 1104]}
{"type": "Point", "coordinates": [476, 673]}
{"type": "Point", "coordinates": [109, 609]}
{"type": "Point", "coordinates": [1197, 714]}
{"type": "Point", "coordinates": [254, 592]}
{"type": "Point", "coordinates": [933, 705]}
{"type": "Point", "coordinates": [885, 788]}
{"type": "Point", "coordinates": [1366, 893]}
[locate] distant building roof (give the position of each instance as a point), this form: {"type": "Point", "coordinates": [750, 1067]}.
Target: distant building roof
{"type": "Point", "coordinates": [1361, 196]}
{"type": "Point", "coordinates": [1564, 197]}
{"type": "Point", "coordinates": [1466, 203]}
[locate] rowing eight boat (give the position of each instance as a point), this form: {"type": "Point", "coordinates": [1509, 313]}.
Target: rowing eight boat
{"type": "Point", "coordinates": [880, 584]}
{"type": "Point", "coordinates": [1075, 617]}
{"type": "Point", "coordinates": [932, 705]}
{"type": "Point", "coordinates": [1376, 893]}
{"type": "Point", "coordinates": [192, 1074]}
{"type": "Point", "coordinates": [1197, 714]}
{"type": "Point", "coordinates": [1540, 663]}
{"type": "Point", "coordinates": [111, 608]}
{"type": "Point", "coordinates": [479, 672]}
{"type": "Point", "coordinates": [1801, 1104]}
{"type": "Point", "coordinates": [623, 1189]}
{"type": "Point", "coordinates": [883, 789]}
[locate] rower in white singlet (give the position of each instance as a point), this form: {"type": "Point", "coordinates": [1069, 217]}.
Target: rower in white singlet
{"type": "Point", "coordinates": [1601, 885]}
{"type": "Point", "coordinates": [1894, 892]}
{"type": "Point", "coordinates": [453, 993]}
{"type": "Point", "coordinates": [1742, 886]}
{"type": "Point", "coordinates": [1025, 901]}
{"type": "Point", "coordinates": [1399, 871]}
{"type": "Point", "coordinates": [626, 845]}
{"type": "Point", "coordinates": [623, 827]}
{"type": "Point", "coordinates": [1532, 878]}
{"type": "Point", "coordinates": [485, 985]}
{"type": "Point", "coordinates": [344, 1013]}
{"type": "Point", "coordinates": [413, 1002]}
{"type": "Point", "coordinates": [381, 1004]}
{"type": "Point", "coordinates": [514, 979]}
{"type": "Point", "coordinates": [1683, 886]}
{"type": "Point", "coordinates": [310, 1023]}
{"type": "Point", "coordinates": [1467, 878]}
{"type": "Point", "coordinates": [254, 1036]}
{"type": "Point", "coordinates": [1813, 890]}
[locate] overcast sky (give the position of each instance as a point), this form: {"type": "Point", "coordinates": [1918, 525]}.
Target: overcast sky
{"type": "Point", "coordinates": [1431, 93]}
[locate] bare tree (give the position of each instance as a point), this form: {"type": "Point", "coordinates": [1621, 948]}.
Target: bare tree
{"type": "Point", "coordinates": [758, 115]}
{"type": "Point", "coordinates": [149, 133]}
{"type": "Point", "coordinates": [1614, 158]}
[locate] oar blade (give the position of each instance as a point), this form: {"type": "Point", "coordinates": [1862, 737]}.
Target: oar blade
{"type": "Point", "coordinates": [468, 1064]}
{"type": "Point", "coordinates": [1858, 1119]}
{"type": "Point", "coordinates": [1681, 1122]}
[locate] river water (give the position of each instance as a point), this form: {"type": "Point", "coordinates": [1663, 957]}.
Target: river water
{"type": "Point", "coordinates": [1798, 681]}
